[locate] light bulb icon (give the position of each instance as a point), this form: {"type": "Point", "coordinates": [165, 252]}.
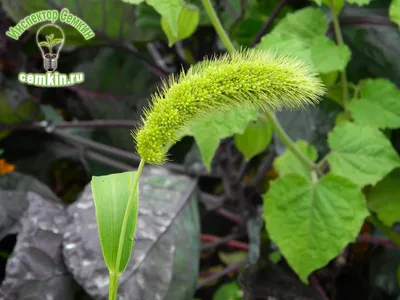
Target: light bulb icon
{"type": "Point", "coordinates": [50, 45]}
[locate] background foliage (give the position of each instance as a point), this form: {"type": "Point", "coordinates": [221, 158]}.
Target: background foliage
{"type": "Point", "coordinates": [324, 225]}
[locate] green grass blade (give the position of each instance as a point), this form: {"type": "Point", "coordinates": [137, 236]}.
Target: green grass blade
{"type": "Point", "coordinates": [111, 194]}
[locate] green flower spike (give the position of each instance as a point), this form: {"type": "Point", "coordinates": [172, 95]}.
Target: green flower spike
{"type": "Point", "coordinates": [247, 78]}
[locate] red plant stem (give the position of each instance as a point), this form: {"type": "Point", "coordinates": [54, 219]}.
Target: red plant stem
{"type": "Point", "coordinates": [366, 238]}
{"type": "Point", "coordinates": [92, 94]}
{"type": "Point", "coordinates": [231, 243]}
{"type": "Point", "coordinates": [228, 215]}
{"type": "Point", "coordinates": [318, 287]}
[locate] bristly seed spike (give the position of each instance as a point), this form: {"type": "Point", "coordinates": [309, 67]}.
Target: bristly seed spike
{"type": "Point", "coordinates": [247, 78]}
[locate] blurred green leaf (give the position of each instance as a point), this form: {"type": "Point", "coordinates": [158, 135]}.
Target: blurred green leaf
{"type": "Point", "coordinates": [50, 113]}
{"type": "Point", "coordinates": [256, 137]}
{"type": "Point", "coordinates": [341, 118]}
{"type": "Point", "coordinates": [187, 24]}
{"type": "Point", "coordinates": [295, 36]}
{"type": "Point", "coordinates": [302, 217]}
{"type": "Point", "coordinates": [16, 106]}
{"type": "Point", "coordinates": [275, 257]}
{"type": "Point", "coordinates": [1, 151]}
{"type": "Point", "coordinates": [359, 2]}
{"type": "Point", "coordinates": [335, 93]}
{"type": "Point", "coordinates": [394, 11]}
{"type": "Point", "coordinates": [379, 104]}
{"type": "Point", "coordinates": [228, 291]}
{"type": "Point", "coordinates": [354, 156]}
{"type": "Point", "coordinates": [111, 194]}
{"type": "Point", "coordinates": [209, 130]}
{"type": "Point", "coordinates": [329, 78]}
{"type": "Point", "coordinates": [384, 198]}
{"type": "Point", "coordinates": [327, 56]}
{"type": "Point", "coordinates": [169, 10]}
{"type": "Point", "coordinates": [337, 5]}
{"type": "Point", "coordinates": [306, 24]}
{"type": "Point", "coordinates": [230, 258]}
{"type": "Point", "coordinates": [287, 44]}
{"type": "Point", "coordinates": [288, 163]}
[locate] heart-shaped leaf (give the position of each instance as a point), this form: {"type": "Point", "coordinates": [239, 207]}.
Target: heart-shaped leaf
{"type": "Point", "coordinates": [312, 222]}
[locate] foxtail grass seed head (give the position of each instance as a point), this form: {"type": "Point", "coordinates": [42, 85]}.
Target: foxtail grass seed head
{"type": "Point", "coordinates": [248, 78]}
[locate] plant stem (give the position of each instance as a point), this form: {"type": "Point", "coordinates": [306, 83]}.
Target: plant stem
{"type": "Point", "coordinates": [343, 76]}
{"type": "Point", "coordinates": [113, 286]}
{"type": "Point", "coordinates": [113, 289]}
{"type": "Point", "coordinates": [394, 236]}
{"type": "Point", "coordinates": [288, 141]}
{"type": "Point", "coordinates": [218, 26]}
{"type": "Point", "coordinates": [271, 118]}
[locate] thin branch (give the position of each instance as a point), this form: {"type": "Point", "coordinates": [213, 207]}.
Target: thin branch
{"type": "Point", "coordinates": [232, 268]}
{"type": "Point", "coordinates": [228, 215]}
{"type": "Point", "coordinates": [366, 238]}
{"type": "Point", "coordinates": [80, 141]}
{"type": "Point", "coordinates": [318, 287]}
{"type": "Point", "coordinates": [226, 240]}
{"type": "Point", "coordinates": [265, 165]}
{"type": "Point", "coordinates": [92, 94]}
{"type": "Point", "coordinates": [269, 22]}
{"type": "Point", "coordinates": [108, 161]}
{"type": "Point", "coordinates": [72, 124]}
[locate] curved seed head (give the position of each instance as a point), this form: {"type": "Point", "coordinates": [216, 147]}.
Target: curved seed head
{"type": "Point", "coordinates": [247, 78]}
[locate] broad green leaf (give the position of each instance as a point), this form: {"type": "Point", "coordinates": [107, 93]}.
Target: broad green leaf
{"type": "Point", "coordinates": [295, 33]}
{"type": "Point", "coordinates": [170, 10]}
{"type": "Point", "coordinates": [361, 154]}
{"type": "Point", "coordinates": [379, 104]}
{"type": "Point", "coordinates": [288, 163]}
{"type": "Point", "coordinates": [306, 24]}
{"type": "Point", "coordinates": [312, 222]}
{"type": "Point", "coordinates": [255, 138]}
{"type": "Point", "coordinates": [1, 151]}
{"type": "Point", "coordinates": [359, 2]}
{"type": "Point", "coordinates": [187, 24]}
{"type": "Point", "coordinates": [111, 194]}
{"type": "Point", "coordinates": [327, 56]}
{"type": "Point", "coordinates": [394, 11]}
{"type": "Point", "coordinates": [384, 198]}
{"type": "Point", "coordinates": [228, 291]}
{"type": "Point", "coordinates": [286, 44]}
{"type": "Point", "coordinates": [209, 130]}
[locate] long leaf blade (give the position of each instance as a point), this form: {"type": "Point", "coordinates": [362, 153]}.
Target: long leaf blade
{"type": "Point", "coordinates": [111, 194]}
